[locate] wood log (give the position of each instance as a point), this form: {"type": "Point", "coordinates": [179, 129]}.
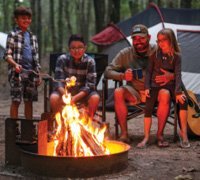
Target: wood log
{"type": "Point", "coordinates": [67, 147]}
{"type": "Point", "coordinates": [69, 143]}
{"type": "Point", "coordinates": [89, 140]}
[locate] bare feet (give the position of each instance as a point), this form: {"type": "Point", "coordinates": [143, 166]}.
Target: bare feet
{"type": "Point", "coordinates": [142, 144]}
{"type": "Point", "coordinates": [161, 142]}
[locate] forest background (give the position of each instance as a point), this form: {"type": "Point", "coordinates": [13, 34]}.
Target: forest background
{"type": "Point", "coordinates": [55, 20]}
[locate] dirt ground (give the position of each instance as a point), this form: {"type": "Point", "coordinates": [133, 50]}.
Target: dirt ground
{"type": "Point", "coordinates": [152, 163]}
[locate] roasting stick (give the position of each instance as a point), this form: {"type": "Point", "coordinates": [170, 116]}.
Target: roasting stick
{"type": "Point", "coordinates": [47, 76]}
{"type": "Point", "coordinates": [73, 78]}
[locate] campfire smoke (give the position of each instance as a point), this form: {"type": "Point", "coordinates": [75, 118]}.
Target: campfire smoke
{"type": "Point", "coordinates": [76, 134]}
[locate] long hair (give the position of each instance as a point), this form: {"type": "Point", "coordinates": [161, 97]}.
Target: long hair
{"type": "Point", "coordinates": [169, 34]}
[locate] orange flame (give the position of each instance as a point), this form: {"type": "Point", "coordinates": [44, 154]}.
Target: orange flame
{"type": "Point", "coordinates": [75, 135]}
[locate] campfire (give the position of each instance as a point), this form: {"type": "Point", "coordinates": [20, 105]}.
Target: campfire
{"type": "Point", "coordinates": [77, 149]}
{"type": "Point", "coordinates": [76, 134]}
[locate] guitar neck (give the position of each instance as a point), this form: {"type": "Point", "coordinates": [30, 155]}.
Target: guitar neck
{"type": "Point", "coordinates": [191, 102]}
{"type": "Point", "coordinates": [184, 90]}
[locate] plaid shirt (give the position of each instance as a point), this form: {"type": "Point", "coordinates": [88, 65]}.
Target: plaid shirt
{"type": "Point", "coordinates": [14, 48]}
{"type": "Point", "coordinates": [84, 71]}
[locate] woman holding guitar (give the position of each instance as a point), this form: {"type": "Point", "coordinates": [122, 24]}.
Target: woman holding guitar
{"type": "Point", "coordinates": [166, 57]}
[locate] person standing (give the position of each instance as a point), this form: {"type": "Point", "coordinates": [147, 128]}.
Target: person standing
{"type": "Point", "coordinates": [22, 57]}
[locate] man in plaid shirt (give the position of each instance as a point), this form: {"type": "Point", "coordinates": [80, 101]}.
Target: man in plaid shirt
{"type": "Point", "coordinates": [82, 66]}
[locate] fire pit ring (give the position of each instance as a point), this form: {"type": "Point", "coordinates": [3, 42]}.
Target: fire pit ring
{"type": "Point", "coordinates": [77, 167]}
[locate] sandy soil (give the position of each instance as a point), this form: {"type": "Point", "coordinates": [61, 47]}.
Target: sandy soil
{"type": "Point", "coordinates": [149, 163]}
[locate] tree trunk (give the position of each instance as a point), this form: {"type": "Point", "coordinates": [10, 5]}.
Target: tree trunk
{"type": "Point", "coordinates": [60, 26]}
{"type": "Point", "coordinates": [115, 11]}
{"type": "Point", "coordinates": [39, 26]}
{"type": "Point", "coordinates": [82, 17]}
{"type": "Point", "coordinates": [33, 24]}
{"type": "Point", "coordinates": [67, 16]}
{"type": "Point", "coordinates": [5, 12]}
{"type": "Point", "coordinates": [99, 9]}
{"type": "Point", "coordinates": [52, 25]}
{"type": "Point", "coordinates": [134, 7]}
{"type": "Point", "coordinates": [171, 4]}
{"type": "Point", "coordinates": [186, 4]}
{"type": "Point", "coordinates": [159, 3]}
{"type": "Point", "coordinates": [85, 11]}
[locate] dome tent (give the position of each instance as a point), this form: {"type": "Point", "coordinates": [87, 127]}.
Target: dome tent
{"type": "Point", "coordinates": [184, 22]}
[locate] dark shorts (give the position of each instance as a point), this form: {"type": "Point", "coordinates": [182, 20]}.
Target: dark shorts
{"type": "Point", "coordinates": [151, 102]}
{"type": "Point", "coordinates": [23, 87]}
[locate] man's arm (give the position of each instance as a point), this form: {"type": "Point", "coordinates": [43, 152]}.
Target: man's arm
{"type": "Point", "coordinates": [115, 69]}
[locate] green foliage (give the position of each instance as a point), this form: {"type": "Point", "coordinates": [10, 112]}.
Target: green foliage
{"type": "Point", "coordinates": [196, 4]}
{"type": "Point", "coordinates": [74, 9]}
{"type": "Point", "coordinates": [125, 10]}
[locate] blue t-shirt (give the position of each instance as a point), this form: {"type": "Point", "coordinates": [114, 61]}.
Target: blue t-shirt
{"type": "Point", "coordinates": [27, 59]}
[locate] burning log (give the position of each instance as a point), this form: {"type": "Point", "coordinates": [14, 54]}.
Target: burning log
{"type": "Point", "coordinates": [91, 142]}
{"type": "Point", "coordinates": [60, 141]}
{"type": "Point", "coordinates": [68, 145]}
{"type": "Point", "coordinates": [69, 142]}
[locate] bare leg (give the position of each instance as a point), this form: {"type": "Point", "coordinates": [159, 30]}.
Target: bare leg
{"type": "Point", "coordinates": [163, 111]}
{"type": "Point", "coordinates": [55, 102]}
{"type": "Point", "coordinates": [93, 103]}
{"type": "Point", "coordinates": [56, 106]}
{"type": "Point", "coordinates": [28, 109]}
{"type": "Point", "coordinates": [120, 97]}
{"type": "Point", "coordinates": [147, 128]}
{"type": "Point", "coordinates": [183, 121]}
{"type": "Point", "coordinates": [14, 109]}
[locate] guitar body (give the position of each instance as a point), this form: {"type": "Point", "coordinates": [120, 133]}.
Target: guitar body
{"type": "Point", "coordinates": [193, 123]}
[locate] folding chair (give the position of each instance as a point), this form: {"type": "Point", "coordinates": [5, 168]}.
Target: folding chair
{"type": "Point", "coordinates": [101, 63]}
{"type": "Point", "coordinates": [138, 109]}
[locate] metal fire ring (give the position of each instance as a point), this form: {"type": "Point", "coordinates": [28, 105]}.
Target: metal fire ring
{"type": "Point", "coordinates": [76, 167]}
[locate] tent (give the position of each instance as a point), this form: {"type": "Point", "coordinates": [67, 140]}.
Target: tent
{"type": "Point", "coordinates": [3, 38]}
{"type": "Point", "coordinates": [184, 22]}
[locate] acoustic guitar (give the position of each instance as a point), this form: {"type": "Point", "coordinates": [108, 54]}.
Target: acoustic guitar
{"type": "Point", "coordinates": [193, 112]}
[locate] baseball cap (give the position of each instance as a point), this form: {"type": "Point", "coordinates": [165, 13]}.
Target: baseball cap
{"type": "Point", "coordinates": [139, 30]}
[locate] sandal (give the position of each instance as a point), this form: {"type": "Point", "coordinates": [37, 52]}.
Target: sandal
{"type": "Point", "coordinates": [184, 144]}
{"type": "Point", "coordinates": [162, 144]}
{"type": "Point", "coordinates": [125, 140]}
{"type": "Point", "coordinates": [142, 145]}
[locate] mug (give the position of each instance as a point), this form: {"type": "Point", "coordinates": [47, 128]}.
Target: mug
{"type": "Point", "coordinates": [137, 73]}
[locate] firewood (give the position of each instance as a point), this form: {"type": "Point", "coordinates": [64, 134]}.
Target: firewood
{"type": "Point", "coordinates": [89, 140]}
{"type": "Point", "coordinates": [69, 143]}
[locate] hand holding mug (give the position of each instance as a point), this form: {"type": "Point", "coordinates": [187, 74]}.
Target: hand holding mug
{"type": "Point", "coordinates": [128, 75]}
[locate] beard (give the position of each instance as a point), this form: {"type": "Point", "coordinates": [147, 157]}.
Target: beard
{"type": "Point", "coordinates": [141, 48]}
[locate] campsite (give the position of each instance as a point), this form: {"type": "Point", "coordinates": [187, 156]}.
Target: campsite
{"type": "Point", "coordinates": [149, 163]}
{"type": "Point", "coordinates": [152, 162]}
{"type": "Point", "coordinates": [185, 24]}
